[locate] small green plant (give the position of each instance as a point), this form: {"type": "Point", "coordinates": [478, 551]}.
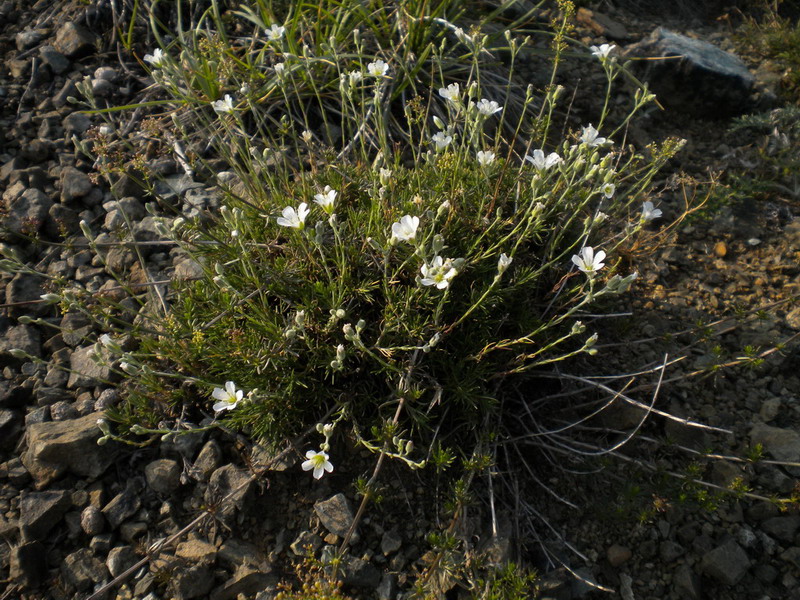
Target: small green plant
{"type": "Point", "coordinates": [776, 38]}
{"type": "Point", "coordinates": [315, 583]}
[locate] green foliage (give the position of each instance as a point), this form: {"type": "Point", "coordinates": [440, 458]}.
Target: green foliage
{"type": "Point", "coordinates": [508, 582]}
{"type": "Point", "coordinates": [776, 38]}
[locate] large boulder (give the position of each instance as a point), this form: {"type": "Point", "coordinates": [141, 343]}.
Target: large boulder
{"type": "Point", "coordinates": [693, 76]}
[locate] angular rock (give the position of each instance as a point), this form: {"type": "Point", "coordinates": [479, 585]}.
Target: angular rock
{"type": "Point", "coordinates": [10, 428]}
{"type": "Point", "coordinates": [236, 552]}
{"type": "Point", "coordinates": [695, 76]}
{"type": "Point", "coordinates": [40, 511]}
{"type": "Point", "coordinates": [246, 580]}
{"type": "Point", "coordinates": [361, 573]}
{"type": "Point", "coordinates": [28, 565]}
{"type": "Point", "coordinates": [207, 461]}
{"type": "Point", "coordinates": [670, 551]}
{"type": "Point", "coordinates": [74, 40]}
{"type": "Point", "coordinates": [387, 588]}
{"type": "Point", "coordinates": [782, 528]}
{"type": "Point", "coordinates": [27, 213]}
{"type": "Point", "coordinates": [163, 475]}
{"type": "Point", "coordinates": [782, 444]}
{"type": "Point", "coordinates": [28, 39]}
{"type": "Point", "coordinates": [193, 582]}
{"type": "Point", "coordinates": [57, 62]}
{"type": "Point", "coordinates": [57, 447]}
{"type": "Point", "coordinates": [74, 184]}
{"type": "Point", "coordinates": [74, 328]}
{"type": "Point", "coordinates": [305, 540]}
{"type": "Point", "coordinates": [76, 122]}
{"type": "Point", "coordinates": [335, 514]}
{"type": "Point", "coordinates": [122, 506]}
{"type": "Point", "coordinates": [22, 289]}
{"type": "Point", "coordinates": [390, 542]}
{"type": "Point", "coordinates": [229, 481]}
{"type": "Point", "coordinates": [120, 559]}
{"type": "Point", "coordinates": [86, 371]}
{"type": "Point", "coordinates": [22, 337]}
{"type": "Point", "coordinates": [82, 569]}
{"type": "Point", "coordinates": [197, 551]}
{"type": "Point", "coordinates": [727, 563]}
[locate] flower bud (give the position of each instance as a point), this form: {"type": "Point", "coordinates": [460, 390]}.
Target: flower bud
{"type": "Point", "coordinates": [102, 425]}
{"type": "Point", "coordinates": [438, 243]}
{"type": "Point", "coordinates": [577, 328]}
{"type": "Point", "coordinates": [85, 229]}
{"type": "Point", "coordinates": [360, 325]}
{"type": "Point", "coordinates": [349, 332]}
{"type": "Point", "coordinates": [50, 298]}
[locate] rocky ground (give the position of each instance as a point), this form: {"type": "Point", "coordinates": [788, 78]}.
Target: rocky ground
{"type": "Point", "coordinates": [74, 515]}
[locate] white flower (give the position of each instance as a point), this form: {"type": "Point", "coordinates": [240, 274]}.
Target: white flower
{"type": "Point", "coordinates": [294, 218]}
{"type": "Point", "coordinates": [385, 176]}
{"type": "Point", "coordinates": [438, 273]}
{"type": "Point", "coordinates": [227, 398]}
{"type": "Point", "coordinates": [503, 262]}
{"type": "Point", "coordinates": [542, 162]}
{"type": "Point", "coordinates": [355, 77]}
{"type": "Point", "coordinates": [105, 339]}
{"type": "Point", "coordinates": [225, 105]}
{"type": "Point", "coordinates": [488, 107]}
{"type": "Point", "coordinates": [441, 140]}
{"type": "Point", "coordinates": [275, 32]}
{"type": "Point", "coordinates": [377, 68]}
{"type": "Point", "coordinates": [589, 262]}
{"type": "Point", "coordinates": [317, 461]}
{"type": "Point", "coordinates": [405, 229]}
{"type": "Point", "coordinates": [602, 51]}
{"type": "Point", "coordinates": [589, 136]}
{"type": "Point", "coordinates": [608, 189]}
{"type": "Point", "coordinates": [280, 69]}
{"type": "Point", "coordinates": [649, 212]}
{"type": "Point", "coordinates": [485, 158]}
{"type": "Point", "coordinates": [326, 199]}
{"type": "Point", "coordinates": [156, 58]}
{"type": "Point", "coordinates": [451, 93]}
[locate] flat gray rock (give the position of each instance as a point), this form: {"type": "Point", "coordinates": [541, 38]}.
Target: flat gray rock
{"type": "Point", "coordinates": [693, 76]}
{"type": "Point", "coordinates": [335, 514]}
{"type": "Point", "coordinates": [39, 512]}
{"type": "Point", "coordinates": [727, 563]}
{"type": "Point", "coordinates": [56, 447]}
